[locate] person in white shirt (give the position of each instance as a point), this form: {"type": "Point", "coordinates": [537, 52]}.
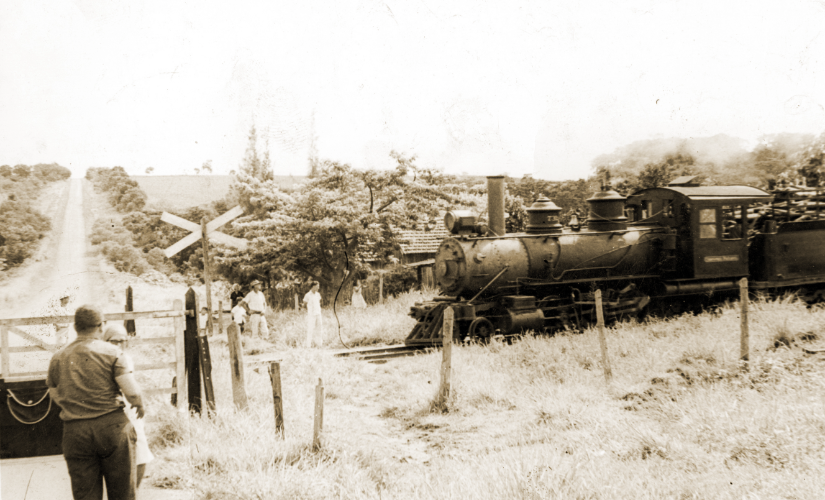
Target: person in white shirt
{"type": "Point", "coordinates": [116, 335]}
{"type": "Point", "coordinates": [239, 316]}
{"type": "Point", "coordinates": [312, 301]}
{"type": "Point", "coordinates": [255, 305]}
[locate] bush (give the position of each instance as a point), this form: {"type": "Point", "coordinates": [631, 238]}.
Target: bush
{"type": "Point", "coordinates": [112, 231]}
{"type": "Point", "coordinates": [21, 228]}
{"type": "Point", "coordinates": [125, 258]}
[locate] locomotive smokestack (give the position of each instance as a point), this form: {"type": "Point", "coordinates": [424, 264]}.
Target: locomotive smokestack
{"type": "Point", "coordinates": [495, 203]}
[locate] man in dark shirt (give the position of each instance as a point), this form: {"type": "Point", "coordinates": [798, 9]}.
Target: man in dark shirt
{"type": "Point", "coordinates": [85, 379]}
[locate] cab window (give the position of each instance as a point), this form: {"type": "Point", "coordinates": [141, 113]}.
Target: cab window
{"type": "Point", "coordinates": [707, 223]}
{"type": "Point", "coordinates": [731, 228]}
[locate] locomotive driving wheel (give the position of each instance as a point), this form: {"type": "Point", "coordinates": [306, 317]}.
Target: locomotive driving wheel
{"type": "Point", "coordinates": [481, 328]}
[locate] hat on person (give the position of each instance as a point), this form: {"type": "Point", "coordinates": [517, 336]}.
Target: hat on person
{"type": "Point", "coordinates": [115, 333]}
{"type": "Point", "coordinates": [256, 282]}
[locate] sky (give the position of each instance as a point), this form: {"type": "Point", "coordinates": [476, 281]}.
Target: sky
{"type": "Point", "coordinates": [480, 87]}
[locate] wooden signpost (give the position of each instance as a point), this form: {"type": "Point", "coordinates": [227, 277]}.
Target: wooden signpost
{"type": "Point", "coordinates": [203, 232]}
{"type": "Point", "coordinates": [608, 373]}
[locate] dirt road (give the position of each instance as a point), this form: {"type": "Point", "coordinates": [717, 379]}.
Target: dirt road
{"type": "Point", "coordinates": [61, 276]}
{"type": "Point", "coordinates": [65, 267]}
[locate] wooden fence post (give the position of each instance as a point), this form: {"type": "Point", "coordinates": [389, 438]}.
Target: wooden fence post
{"type": "Point", "coordinates": [129, 324]}
{"type": "Point", "coordinates": [220, 316]}
{"type": "Point", "coordinates": [446, 360]}
{"type": "Point", "coordinates": [236, 362]}
{"type": "Point", "coordinates": [381, 288]}
{"type": "Point", "coordinates": [192, 357]}
{"type": "Point", "coordinates": [5, 360]}
{"type": "Point", "coordinates": [608, 373]}
{"type": "Point", "coordinates": [206, 371]}
{"type": "Point", "coordinates": [744, 340]}
{"type": "Point", "coordinates": [180, 358]}
{"type": "Point", "coordinates": [318, 428]}
{"type": "Point", "coordinates": [297, 308]}
{"type": "Point", "coordinates": [277, 399]}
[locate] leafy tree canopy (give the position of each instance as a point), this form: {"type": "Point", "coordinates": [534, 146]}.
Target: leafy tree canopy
{"type": "Point", "coordinates": [341, 220]}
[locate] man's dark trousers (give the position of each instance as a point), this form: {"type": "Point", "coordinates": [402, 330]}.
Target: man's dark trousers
{"type": "Point", "coordinates": [97, 448]}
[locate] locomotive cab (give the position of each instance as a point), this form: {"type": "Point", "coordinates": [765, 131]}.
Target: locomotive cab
{"type": "Point", "coordinates": [709, 223]}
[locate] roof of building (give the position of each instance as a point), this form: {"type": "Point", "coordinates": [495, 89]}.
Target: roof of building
{"type": "Point", "coordinates": [422, 241]}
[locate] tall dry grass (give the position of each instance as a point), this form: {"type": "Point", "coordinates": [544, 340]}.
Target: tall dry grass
{"type": "Point", "coordinates": [534, 419]}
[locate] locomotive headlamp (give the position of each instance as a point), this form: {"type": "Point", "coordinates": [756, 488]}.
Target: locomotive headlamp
{"type": "Point", "coordinates": [460, 222]}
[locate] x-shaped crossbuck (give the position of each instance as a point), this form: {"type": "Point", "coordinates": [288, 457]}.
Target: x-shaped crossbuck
{"type": "Point", "coordinates": [197, 234]}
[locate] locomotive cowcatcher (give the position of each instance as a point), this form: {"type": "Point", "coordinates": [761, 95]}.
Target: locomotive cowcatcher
{"type": "Point", "coordinates": [663, 250]}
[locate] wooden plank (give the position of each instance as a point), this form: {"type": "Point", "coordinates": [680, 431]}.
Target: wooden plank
{"type": "Point", "coordinates": [129, 324]}
{"type": "Point", "coordinates": [318, 426]}
{"type": "Point", "coordinates": [5, 361]}
{"type": "Point", "coordinates": [48, 320]}
{"type": "Point", "coordinates": [237, 366]}
{"type": "Point", "coordinates": [223, 219]}
{"type": "Point", "coordinates": [152, 340]}
{"type": "Point", "coordinates": [216, 236]}
{"type": "Point", "coordinates": [207, 279]}
{"type": "Point", "coordinates": [225, 239]}
{"type": "Point", "coordinates": [608, 373]}
{"type": "Point", "coordinates": [277, 399]}
{"type": "Point", "coordinates": [28, 348]}
{"type": "Point", "coordinates": [31, 338]}
{"type": "Point", "coordinates": [193, 237]}
{"type": "Point", "coordinates": [206, 371]}
{"type": "Point", "coordinates": [45, 320]}
{"type": "Point", "coordinates": [180, 358]}
{"type": "Point", "coordinates": [179, 221]}
{"type": "Point", "coordinates": [744, 337]}
{"type": "Point", "coordinates": [18, 375]}
{"type": "Point", "coordinates": [164, 390]}
{"type": "Point", "coordinates": [192, 356]}
{"type": "Point", "coordinates": [155, 366]}
{"type": "Point", "coordinates": [142, 314]}
{"type": "Point", "coordinates": [446, 360]}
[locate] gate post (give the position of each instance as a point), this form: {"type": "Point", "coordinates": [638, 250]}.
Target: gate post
{"type": "Point", "coordinates": [192, 359]}
{"type": "Point", "coordinates": [129, 324]}
{"type": "Point", "coordinates": [180, 358]}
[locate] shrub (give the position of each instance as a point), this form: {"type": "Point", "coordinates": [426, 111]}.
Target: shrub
{"type": "Point", "coordinates": [21, 228]}
{"type": "Point", "coordinates": [125, 258]}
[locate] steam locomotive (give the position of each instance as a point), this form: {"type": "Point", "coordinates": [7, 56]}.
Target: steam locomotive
{"type": "Point", "coordinates": [664, 250]}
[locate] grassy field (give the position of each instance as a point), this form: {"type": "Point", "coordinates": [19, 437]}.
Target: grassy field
{"type": "Point", "coordinates": [177, 192]}
{"type": "Point", "coordinates": [534, 419]}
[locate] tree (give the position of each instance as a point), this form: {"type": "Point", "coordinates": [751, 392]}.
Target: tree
{"type": "Point", "coordinates": [252, 165]}
{"type": "Point", "coordinates": [207, 166]}
{"type": "Point", "coordinates": [149, 170]}
{"type": "Point", "coordinates": [342, 220]}
{"type": "Point", "coordinates": [314, 161]}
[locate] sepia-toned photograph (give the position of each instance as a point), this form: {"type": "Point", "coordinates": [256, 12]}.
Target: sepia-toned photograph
{"type": "Point", "coordinates": [383, 249]}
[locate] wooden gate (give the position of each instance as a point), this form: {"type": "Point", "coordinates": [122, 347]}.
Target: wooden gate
{"type": "Point", "coordinates": [12, 326]}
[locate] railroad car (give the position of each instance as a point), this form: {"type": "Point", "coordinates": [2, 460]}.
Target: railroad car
{"type": "Point", "coordinates": [664, 250]}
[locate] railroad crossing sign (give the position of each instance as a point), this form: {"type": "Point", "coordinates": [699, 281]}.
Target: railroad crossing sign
{"type": "Point", "coordinates": [203, 232]}
{"type": "Point", "coordinates": [197, 232]}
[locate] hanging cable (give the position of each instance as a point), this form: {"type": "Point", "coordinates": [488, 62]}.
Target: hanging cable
{"type": "Point", "coordinates": [335, 301]}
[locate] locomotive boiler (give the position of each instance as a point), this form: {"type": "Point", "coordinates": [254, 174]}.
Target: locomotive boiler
{"type": "Point", "coordinates": [664, 249]}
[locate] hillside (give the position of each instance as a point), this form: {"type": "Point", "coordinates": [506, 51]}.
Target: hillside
{"type": "Point", "coordinates": [172, 192]}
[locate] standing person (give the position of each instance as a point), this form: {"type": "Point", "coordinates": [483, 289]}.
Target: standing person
{"type": "Point", "coordinates": [86, 379]}
{"type": "Point", "coordinates": [116, 335]}
{"type": "Point", "coordinates": [239, 316]}
{"type": "Point", "coordinates": [256, 307]}
{"type": "Point", "coordinates": [203, 317]}
{"type": "Point", "coordinates": [357, 297]}
{"type": "Point", "coordinates": [312, 301]}
{"type": "Point", "coordinates": [237, 295]}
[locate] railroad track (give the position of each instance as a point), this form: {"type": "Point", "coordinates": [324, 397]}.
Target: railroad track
{"type": "Point", "coordinates": [382, 354]}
